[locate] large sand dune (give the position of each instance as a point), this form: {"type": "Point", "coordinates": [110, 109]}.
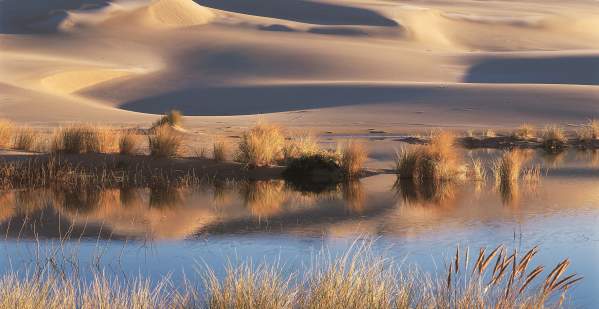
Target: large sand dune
{"type": "Point", "coordinates": [333, 65]}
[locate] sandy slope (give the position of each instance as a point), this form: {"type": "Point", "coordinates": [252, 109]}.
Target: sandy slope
{"type": "Point", "coordinates": [333, 65]}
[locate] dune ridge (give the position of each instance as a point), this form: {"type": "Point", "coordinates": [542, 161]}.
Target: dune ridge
{"type": "Point", "coordinates": [233, 59]}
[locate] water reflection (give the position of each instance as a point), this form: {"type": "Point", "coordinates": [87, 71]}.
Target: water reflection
{"type": "Point", "coordinates": [426, 193]}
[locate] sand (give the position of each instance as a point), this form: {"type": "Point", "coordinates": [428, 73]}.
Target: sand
{"type": "Point", "coordinates": [339, 66]}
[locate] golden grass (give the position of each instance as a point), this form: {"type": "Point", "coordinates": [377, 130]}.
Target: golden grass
{"type": "Point", "coordinates": [497, 278]}
{"type": "Point", "coordinates": [488, 133]}
{"type": "Point", "coordinates": [245, 286]}
{"type": "Point", "coordinates": [219, 151]}
{"type": "Point", "coordinates": [174, 118]}
{"type": "Point", "coordinates": [554, 138]}
{"type": "Point", "coordinates": [524, 132]}
{"type": "Point", "coordinates": [6, 131]}
{"type": "Point", "coordinates": [84, 138]}
{"type": "Point", "coordinates": [589, 132]}
{"type": "Point", "coordinates": [164, 142]}
{"type": "Point", "coordinates": [263, 198]}
{"type": "Point", "coordinates": [304, 145]}
{"type": "Point", "coordinates": [27, 139]}
{"type": "Point", "coordinates": [353, 157]}
{"type": "Point", "coordinates": [437, 161]}
{"type": "Point", "coordinates": [262, 145]}
{"type": "Point", "coordinates": [476, 171]}
{"type": "Point", "coordinates": [508, 168]}
{"type": "Point", "coordinates": [129, 143]}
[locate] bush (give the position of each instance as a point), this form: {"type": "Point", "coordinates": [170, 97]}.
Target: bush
{"type": "Point", "coordinates": [262, 145]}
{"type": "Point", "coordinates": [524, 132]}
{"type": "Point", "coordinates": [164, 142]}
{"type": "Point", "coordinates": [589, 132]}
{"type": "Point", "coordinates": [301, 146]}
{"type": "Point", "coordinates": [508, 168]}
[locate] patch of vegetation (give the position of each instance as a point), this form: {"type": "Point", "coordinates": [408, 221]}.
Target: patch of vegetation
{"type": "Point", "coordinates": [164, 142]}
{"type": "Point", "coordinates": [129, 143]}
{"type": "Point", "coordinates": [262, 145]}
{"type": "Point", "coordinates": [524, 132]}
{"type": "Point", "coordinates": [84, 138]}
{"type": "Point", "coordinates": [174, 118]}
{"type": "Point", "coordinates": [6, 131]}
{"type": "Point", "coordinates": [554, 138]}
{"type": "Point", "coordinates": [353, 157]}
{"type": "Point", "coordinates": [27, 139]}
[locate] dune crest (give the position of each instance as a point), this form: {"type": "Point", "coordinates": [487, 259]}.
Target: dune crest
{"type": "Point", "coordinates": [177, 13]}
{"type": "Point", "coordinates": [72, 81]}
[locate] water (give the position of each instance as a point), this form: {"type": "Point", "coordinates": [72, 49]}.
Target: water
{"type": "Point", "coordinates": [172, 231]}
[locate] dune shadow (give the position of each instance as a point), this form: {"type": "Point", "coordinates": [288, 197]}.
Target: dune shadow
{"type": "Point", "coordinates": [578, 70]}
{"type": "Point", "coordinates": [240, 100]}
{"type": "Point", "coordinates": [21, 16]}
{"type": "Point", "coordinates": [338, 31]}
{"type": "Point", "coordinates": [303, 11]}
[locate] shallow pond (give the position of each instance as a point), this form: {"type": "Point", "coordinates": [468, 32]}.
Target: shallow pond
{"type": "Point", "coordinates": [170, 231]}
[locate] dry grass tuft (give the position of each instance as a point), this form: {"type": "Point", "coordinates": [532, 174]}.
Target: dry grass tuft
{"type": "Point", "coordinates": [27, 139]}
{"type": "Point", "coordinates": [129, 143]}
{"type": "Point", "coordinates": [304, 145]}
{"type": "Point", "coordinates": [353, 157]}
{"type": "Point", "coordinates": [437, 161]}
{"type": "Point", "coordinates": [244, 286]}
{"type": "Point", "coordinates": [589, 132]}
{"type": "Point", "coordinates": [524, 132]}
{"type": "Point", "coordinates": [219, 151]}
{"type": "Point", "coordinates": [6, 131]}
{"type": "Point", "coordinates": [488, 133]}
{"type": "Point", "coordinates": [262, 145]}
{"type": "Point", "coordinates": [84, 138]}
{"type": "Point", "coordinates": [174, 118]}
{"type": "Point", "coordinates": [508, 168]}
{"type": "Point", "coordinates": [554, 138]}
{"type": "Point", "coordinates": [355, 280]}
{"type": "Point", "coordinates": [164, 142]}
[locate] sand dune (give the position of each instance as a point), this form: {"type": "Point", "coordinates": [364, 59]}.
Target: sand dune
{"type": "Point", "coordinates": [394, 64]}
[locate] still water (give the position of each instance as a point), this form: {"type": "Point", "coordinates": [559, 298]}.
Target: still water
{"type": "Point", "coordinates": [171, 231]}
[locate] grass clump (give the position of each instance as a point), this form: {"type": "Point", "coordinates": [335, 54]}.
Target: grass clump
{"type": "Point", "coordinates": [244, 286]}
{"type": "Point", "coordinates": [174, 118]}
{"type": "Point", "coordinates": [437, 161]}
{"type": "Point", "coordinates": [129, 143]}
{"type": "Point", "coordinates": [164, 142]}
{"type": "Point", "coordinates": [301, 146]}
{"type": "Point", "coordinates": [524, 132]}
{"type": "Point", "coordinates": [84, 138]}
{"type": "Point", "coordinates": [508, 168]}
{"type": "Point", "coordinates": [6, 131]}
{"type": "Point", "coordinates": [27, 139]}
{"type": "Point", "coordinates": [219, 151]}
{"type": "Point", "coordinates": [262, 145]}
{"type": "Point", "coordinates": [589, 132]}
{"type": "Point", "coordinates": [554, 138]}
{"type": "Point", "coordinates": [353, 157]}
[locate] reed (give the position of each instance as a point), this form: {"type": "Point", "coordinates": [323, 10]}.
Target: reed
{"type": "Point", "coordinates": [27, 139]}
{"type": "Point", "coordinates": [353, 157]}
{"type": "Point", "coordinates": [219, 151]}
{"type": "Point", "coordinates": [6, 131]}
{"type": "Point", "coordinates": [588, 132]}
{"type": "Point", "coordinates": [508, 168]}
{"type": "Point", "coordinates": [129, 143]}
{"type": "Point", "coordinates": [304, 145]}
{"type": "Point", "coordinates": [554, 138]}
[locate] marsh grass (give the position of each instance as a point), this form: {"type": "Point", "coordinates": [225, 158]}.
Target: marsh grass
{"type": "Point", "coordinates": [358, 278]}
{"type": "Point", "coordinates": [303, 145]}
{"type": "Point", "coordinates": [261, 145]}
{"type": "Point", "coordinates": [437, 161]}
{"type": "Point", "coordinates": [129, 143]}
{"type": "Point", "coordinates": [164, 142]}
{"type": "Point", "coordinates": [353, 157]}
{"type": "Point", "coordinates": [554, 138]}
{"type": "Point", "coordinates": [6, 131]}
{"type": "Point", "coordinates": [174, 118]}
{"type": "Point", "coordinates": [219, 151]}
{"type": "Point", "coordinates": [248, 286]}
{"type": "Point", "coordinates": [84, 138]}
{"type": "Point", "coordinates": [524, 132]}
{"type": "Point", "coordinates": [588, 132]}
{"type": "Point", "coordinates": [508, 168]}
{"type": "Point", "coordinates": [27, 139]}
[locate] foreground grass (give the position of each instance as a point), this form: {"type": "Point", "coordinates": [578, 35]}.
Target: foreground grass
{"type": "Point", "coordinates": [496, 278]}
